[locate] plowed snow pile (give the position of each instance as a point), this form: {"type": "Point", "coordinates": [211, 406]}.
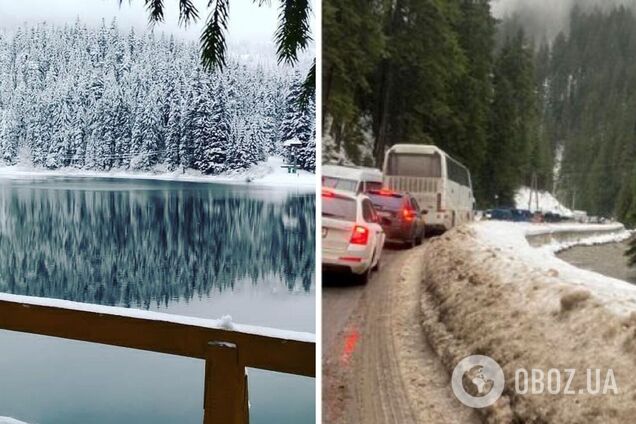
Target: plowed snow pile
{"type": "Point", "coordinates": [487, 292]}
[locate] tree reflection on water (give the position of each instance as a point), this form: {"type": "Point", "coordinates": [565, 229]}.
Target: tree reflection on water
{"type": "Point", "coordinates": [136, 247]}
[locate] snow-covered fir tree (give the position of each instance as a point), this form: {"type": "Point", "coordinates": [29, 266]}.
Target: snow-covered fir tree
{"type": "Point", "coordinates": [299, 126]}
{"type": "Point", "coordinates": [99, 98]}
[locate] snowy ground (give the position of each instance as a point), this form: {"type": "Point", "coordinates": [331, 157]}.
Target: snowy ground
{"type": "Point", "coordinates": [267, 174]}
{"type": "Point", "coordinates": [510, 238]}
{"type": "Point", "coordinates": [547, 202]}
{"type": "Point", "coordinates": [7, 420]}
{"type": "Point", "coordinates": [487, 291]}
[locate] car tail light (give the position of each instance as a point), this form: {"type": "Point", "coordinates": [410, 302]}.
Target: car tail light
{"type": "Point", "coordinates": [360, 235]}
{"type": "Point", "coordinates": [408, 214]}
{"type": "Point", "coordinates": [350, 259]}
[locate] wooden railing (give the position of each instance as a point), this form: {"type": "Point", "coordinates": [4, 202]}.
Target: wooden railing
{"type": "Point", "coordinates": [227, 352]}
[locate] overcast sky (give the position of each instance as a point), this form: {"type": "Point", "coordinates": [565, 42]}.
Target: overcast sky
{"type": "Point", "coordinates": [248, 22]}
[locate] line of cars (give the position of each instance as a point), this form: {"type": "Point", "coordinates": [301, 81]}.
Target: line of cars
{"type": "Point", "coordinates": [524, 215]}
{"type": "Point", "coordinates": [421, 189]}
{"type": "Point", "coordinates": [359, 216]}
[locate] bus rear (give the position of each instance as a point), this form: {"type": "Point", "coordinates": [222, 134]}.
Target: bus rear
{"type": "Point", "coordinates": [419, 170]}
{"type": "Point", "coordinates": [439, 183]}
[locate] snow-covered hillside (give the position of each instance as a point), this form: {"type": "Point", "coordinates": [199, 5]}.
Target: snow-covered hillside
{"type": "Point", "coordinates": [100, 99]}
{"type": "Point", "coordinates": [547, 202]}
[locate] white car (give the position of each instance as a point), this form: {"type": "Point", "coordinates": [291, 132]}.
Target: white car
{"type": "Point", "coordinates": [352, 179]}
{"type": "Point", "coordinates": [352, 238]}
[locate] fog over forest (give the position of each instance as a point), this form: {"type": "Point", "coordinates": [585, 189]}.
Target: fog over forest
{"type": "Point", "coordinates": [544, 19]}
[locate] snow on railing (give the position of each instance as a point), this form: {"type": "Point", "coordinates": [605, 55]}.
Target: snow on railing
{"type": "Point", "coordinates": [227, 348]}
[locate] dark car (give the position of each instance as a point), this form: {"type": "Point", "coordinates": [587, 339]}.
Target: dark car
{"type": "Point", "coordinates": [552, 217]}
{"type": "Point", "coordinates": [401, 217]}
{"type": "Point", "coordinates": [521, 215]}
{"type": "Point", "coordinates": [501, 215]}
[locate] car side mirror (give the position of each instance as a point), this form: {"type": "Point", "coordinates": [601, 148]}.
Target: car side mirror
{"type": "Point", "coordinates": [424, 211]}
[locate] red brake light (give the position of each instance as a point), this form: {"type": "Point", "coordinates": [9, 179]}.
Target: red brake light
{"type": "Point", "coordinates": [385, 192]}
{"type": "Point", "coordinates": [408, 214]}
{"type": "Point", "coordinates": [360, 235]}
{"type": "Point", "coordinates": [327, 193]}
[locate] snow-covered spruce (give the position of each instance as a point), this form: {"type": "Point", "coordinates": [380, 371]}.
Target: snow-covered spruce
{"type": "Point", "coordinates": [96, 99]}
{"type": "Point", "coordinates": [486, 291]}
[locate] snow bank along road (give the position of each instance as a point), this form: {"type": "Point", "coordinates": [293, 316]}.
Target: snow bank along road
{"type": "Point", "coordinates": [389, 347]}
{"type": "Point", "coordinates": [486, 291]}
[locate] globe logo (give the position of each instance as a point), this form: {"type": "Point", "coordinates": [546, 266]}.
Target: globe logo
{"type": "Point", "coordinates": [478, 381]}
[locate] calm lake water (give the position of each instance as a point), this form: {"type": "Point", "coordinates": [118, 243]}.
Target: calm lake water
{"type": "Point", "coordinates": [202, 250]}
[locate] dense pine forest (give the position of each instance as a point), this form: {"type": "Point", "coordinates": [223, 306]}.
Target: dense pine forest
{"type": "Point", "coordinates": [590, 109]}
{"type": "Point", "coordinates": [101, 98]}
{"type": "Point", "coordinates": [432, 72]}
{"type": "Point", "coordinates": [510, 97]}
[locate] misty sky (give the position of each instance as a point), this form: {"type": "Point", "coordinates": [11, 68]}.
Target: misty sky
{"type": "Point", "coordinates": [248, 22]}
{"type": "Point", "coordinates": [546, 18]}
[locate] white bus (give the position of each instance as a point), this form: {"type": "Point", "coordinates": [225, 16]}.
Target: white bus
{"type": "Point", "coordinates": [441, 185]}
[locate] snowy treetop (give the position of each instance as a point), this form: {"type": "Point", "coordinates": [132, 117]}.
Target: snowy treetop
{"type": "Point", "coordinates": [100, 99]}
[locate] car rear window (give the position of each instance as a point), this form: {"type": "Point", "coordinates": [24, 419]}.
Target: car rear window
{"type": "Point", "coordinates": [340, 184]}
{"type": "Point", "coordinates": [386, 202]}
{"type": "Point", "coordinates": [339, 208]}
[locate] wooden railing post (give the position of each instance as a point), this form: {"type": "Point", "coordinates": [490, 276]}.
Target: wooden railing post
{"type": "Point", "coordinates": [225, 399]}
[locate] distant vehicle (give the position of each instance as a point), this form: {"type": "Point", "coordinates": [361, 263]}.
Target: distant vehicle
{"type": "Point", "coordinates": [552, 217]}
{"type": "Point", "coordinates": [440, 184]}
{"type": "Point", "coordinates": [501, 215]}
{"type": "Point", "coordinates": [401, 217]}
{"type": "Point", "coordinates": [352, 238]}
{"type": "Point", "coordinates": [352, 179]}
{"type": "Point", "coordinates": [580, 216]}
{"type": "Point", "coordinates": [521, 215]}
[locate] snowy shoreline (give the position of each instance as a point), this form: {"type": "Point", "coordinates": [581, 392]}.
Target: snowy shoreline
{"type": "Point", "coordinates": [267, 174]}
{"type": "Point", "coordinates": [9, 420]}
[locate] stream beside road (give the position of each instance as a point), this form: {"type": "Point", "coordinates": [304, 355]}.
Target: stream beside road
{"type": "Point", "coordinates": [607, 259]}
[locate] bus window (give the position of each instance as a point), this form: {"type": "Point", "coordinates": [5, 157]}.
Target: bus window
{"type": "Point", "coordinates": [457, 173]}
{"type": "Point", "coordinates": [372, 186]}
{"type": "Point", "coordinates": [413, 165]}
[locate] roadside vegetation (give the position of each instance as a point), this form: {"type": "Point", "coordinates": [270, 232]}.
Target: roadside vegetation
{"type": "Point", "coordinates": [515, 99]}
{"type": "Point", "coordinates": [431, 72]}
